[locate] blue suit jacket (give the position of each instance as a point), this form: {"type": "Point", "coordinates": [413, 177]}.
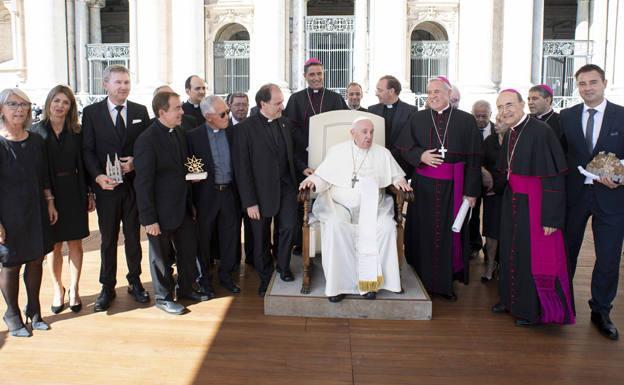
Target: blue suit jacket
{"type": "Point", "coordinates": [611, 139]}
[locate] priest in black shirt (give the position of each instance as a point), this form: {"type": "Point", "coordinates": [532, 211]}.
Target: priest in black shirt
{"type": "Point", "coordinates": [443, 147]}
{"type": "Point", "coordinates": [534, 286]}
{"type": "Point", "coordinates": [396, 113]}
{"type": "Point", "coordinates": [196, 90]}
{"type": "Point", "coordinates": [540, 104]}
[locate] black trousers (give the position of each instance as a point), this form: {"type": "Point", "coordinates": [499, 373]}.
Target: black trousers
{"type": "Point", "coordinates": [608, 229]}
{"type": "Point", "coordinates": [249, 255]}
{"type": "Point", "coordinates": [184, 241]}
{"type": "Point", "coordinates": [474, 227]}
{"type": "Point", "coordinates": [286, 223]}
{"type": "Point", "coordinates": [222, 220]}
{"type": "Point", "coordinates": [113, 209]}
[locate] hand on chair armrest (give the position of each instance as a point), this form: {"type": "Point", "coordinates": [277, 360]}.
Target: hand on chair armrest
{"type": "Point", "coordinates": [304, 190]}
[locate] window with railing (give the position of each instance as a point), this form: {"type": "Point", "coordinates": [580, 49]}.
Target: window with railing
{"type": "Point", "coordinates": [101, 56]}
{"type": "Point", "coordinates": [330, 39]}
{"type": "Point", "coordinates": [231, 66]}
{"type": "Point", "coordinates": [560, 60]}
{"type": "Point", "coordinates": [429, 58]}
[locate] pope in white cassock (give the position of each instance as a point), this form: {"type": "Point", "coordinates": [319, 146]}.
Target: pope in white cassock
{"type": "Point", "coordinates": [358, 232]}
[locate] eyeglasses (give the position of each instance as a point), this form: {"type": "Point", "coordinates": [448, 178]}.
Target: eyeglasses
{"type": "Point", "coordinates": [16, 105]}
{"type": "Point", "coordinates": [222, 114]}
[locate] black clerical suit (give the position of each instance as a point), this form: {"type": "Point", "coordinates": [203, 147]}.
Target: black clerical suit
{"type": "Point", "coordinates": [264, 168]}
{"type": "Point", "coordinates": [188, 123]}
{"type": "Point", "coordinates": [217, 204]}
{"type": "Point", "coordinates": [396, 119]}
{"type": "Point", "coordinates": [604, 205]}
{"type": "Point", "coordinates": [101, 138]}
{"type": "Point", "coordinates": [552, 118]}
{"type": "Point", "coordinates": [164, 197]}
{"type": "Point", "coordinates": [195, 112]}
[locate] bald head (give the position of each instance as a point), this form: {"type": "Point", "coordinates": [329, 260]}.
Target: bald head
{"type": "Point", "coordinates": [362, 131]}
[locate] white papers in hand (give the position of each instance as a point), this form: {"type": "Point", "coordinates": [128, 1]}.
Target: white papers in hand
{"type": "Point", "coordinates": [461, 215]}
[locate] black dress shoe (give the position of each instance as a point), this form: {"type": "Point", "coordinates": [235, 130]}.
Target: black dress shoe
{"type": "Point", "coordinates": [137, 291]}
{"type": "Point", "coordinates": [337, 298]}
{"type": "Point", "coordinates": [451, 297]}
{"type": "Point", "coordinates": [605, 326]}
{"type": "Point", "coordinates": [170, 307]}
{"type": "Point", "coordinates": [524, 322]}
{"type": "Point", "coordinates": [205, 294]}
{"type": "Point", "coordinates": [104, 299]}
{"type": "Point", "coordinates": [231, 287]}
{"type": "Point", "coordinates": [263, 289]}
{"type": "Point", "coordinates": [498, 308]}
{"type": "Point", "coordinates": [370, 295]}
{"type": "Point", "coordinates": [287, 276]}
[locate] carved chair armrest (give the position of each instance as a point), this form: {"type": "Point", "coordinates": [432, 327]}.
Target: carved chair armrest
{"type": "Point", "coordinates": [399, 197]}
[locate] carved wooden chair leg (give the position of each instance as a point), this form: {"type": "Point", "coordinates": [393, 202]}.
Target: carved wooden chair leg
{"type": "Point", "coordinates": [305, 247]}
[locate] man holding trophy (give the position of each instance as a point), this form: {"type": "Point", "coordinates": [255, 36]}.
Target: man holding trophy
{"type": "Point", "coordinates": [110, 128]}
{"type": "Point", "coordinates": [165, 206]}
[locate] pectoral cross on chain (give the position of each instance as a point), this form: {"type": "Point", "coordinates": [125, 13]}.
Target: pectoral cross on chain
{"type": "Point", "coordinates": [442, 151]}
{"type": "Point", "coordinates": [354, 180]}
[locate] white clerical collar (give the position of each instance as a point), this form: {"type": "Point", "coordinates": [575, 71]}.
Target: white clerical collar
{"type": "Point", "coordinates": [315, 91]}
{"type": "Point", "coordinates": [234, 121]}
{"type": "Point", "coordinates": [544, 114]}
{"type": "Point", "coordinates": [194, 105]}
{"type": "Point", "coordinates": [442, 110]}
{"type": "Point", "coordinates": [600, 108]}
{"type": "Point", "coordinates": [519, 121]}
{"type": "Point", "coordinates": [111, 105]}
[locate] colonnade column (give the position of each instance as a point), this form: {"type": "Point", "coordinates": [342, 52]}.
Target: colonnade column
{"type": "Point", "coordinates": [187, 49]}
{"type": "Point", "coordinates": [517, 45]}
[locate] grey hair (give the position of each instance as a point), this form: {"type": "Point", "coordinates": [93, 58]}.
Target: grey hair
{"type": "Point", "coordinates": [445, 84]}
{"type": "Point", "coordinates": [207, 104]}
{"type": "Point", "coordinates": [6, 94]}
{"type": "Point", "coordinates": [361, 119]}
{"type": "Point", "coordinates": [482, 104]}
{"type": "Point", "coordinates": [159, 89]}
{"type": "Point", "coordinates": [113, 68]}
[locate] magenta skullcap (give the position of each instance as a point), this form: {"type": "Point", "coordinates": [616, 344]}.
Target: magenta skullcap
{"type": "Point", "coordinates": [546, 88]}
{"type": "Point", "coordinates": [313, 61]}
{"type": "Point", "coordinates": [445, 80]}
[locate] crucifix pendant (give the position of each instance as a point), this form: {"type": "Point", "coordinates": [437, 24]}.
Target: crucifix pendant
{"type": "Point", "coordinates": [354, 180]}
{"type": "Point", "coordinates": [442, 151]}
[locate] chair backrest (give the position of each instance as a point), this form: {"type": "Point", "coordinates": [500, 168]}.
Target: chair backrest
{"type": "Point", "coordinates": [333, 127]}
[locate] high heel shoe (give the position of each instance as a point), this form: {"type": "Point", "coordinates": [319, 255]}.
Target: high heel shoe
{"type": "Point", "coordinates": [76, 307]}
{"type": "Point", "coordinates": [491, 273]}
{"type": "Point", "coordinates": [16, 326]}
{"type": "Point", "coordinates": [58, 309]}
{"type": "Point", "coordinates": [36, 322]}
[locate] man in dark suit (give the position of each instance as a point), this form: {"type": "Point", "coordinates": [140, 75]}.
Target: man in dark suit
{"type": "Point", "coordinates": [165, 207]}
{"type": "Point", "coordinates": [397, 115]}
{"type": "Point", "coordinates": [265, 174]}
{"type": "Point", "coordinates": [216, 198]}
{"type": "Point", "coordinates": [110, 128]}
{"type": "Point", "coordinates": [588, 128]}
{"type": "Point", "coordinates": [354, 97]}
{"type": "Point", "coordinates": [195, 88]}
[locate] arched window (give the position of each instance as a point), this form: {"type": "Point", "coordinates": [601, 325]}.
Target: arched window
{"type": "Point", "coordinates": [429, 55]}
{"type": "Point", "coordinates": [231, 60]}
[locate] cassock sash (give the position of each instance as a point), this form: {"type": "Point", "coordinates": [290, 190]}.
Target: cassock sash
{"type": "Point", "coordinates": [369, 269]}
{"type": "Point", "coordinates": [548, 259]}
{"type": "Point", "coordinates": [454, 172]}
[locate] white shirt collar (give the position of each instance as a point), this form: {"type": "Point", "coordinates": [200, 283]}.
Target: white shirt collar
{"type": "Point", "coordinates": [520, 121]}
{"type": "Point", "coordinates": [234, 121]}
{"type": "Point", "coordinates": [544, 114]}
{"type": "Point", "coordinates": [600, 108]}
{"type": "Point", "coordinates": [111, 105]}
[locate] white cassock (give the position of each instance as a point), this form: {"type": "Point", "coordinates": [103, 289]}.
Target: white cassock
{"type": "Point", "coordinates": [358, 231]}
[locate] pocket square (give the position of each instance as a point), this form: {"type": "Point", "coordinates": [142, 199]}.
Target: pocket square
{"type": "Point", "coordinates": [136, 121]}
{"type": "Point", "coordinates": [614, 133]}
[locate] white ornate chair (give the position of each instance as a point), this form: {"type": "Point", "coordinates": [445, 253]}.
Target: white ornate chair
{"type": "Point", "coordinates": [326, 130]}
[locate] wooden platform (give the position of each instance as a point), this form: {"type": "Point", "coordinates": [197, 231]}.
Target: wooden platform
{"type": "Point", "coordinates": [229, 341]}
{"type": "Point", "coordinates": [285, 298]}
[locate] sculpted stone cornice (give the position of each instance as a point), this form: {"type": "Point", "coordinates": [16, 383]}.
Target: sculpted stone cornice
{"type": "Point", "coordinates": [218, 16]}
{"type": "Point", "coordinates": [443, 14]}
{"type": "Point", "coordinates": [95, 3]}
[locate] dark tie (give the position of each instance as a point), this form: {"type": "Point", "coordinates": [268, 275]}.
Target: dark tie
{"type": "Point", "coordinates": [120, 126]}
{"type": "Point", "coordinates": [589, 130]}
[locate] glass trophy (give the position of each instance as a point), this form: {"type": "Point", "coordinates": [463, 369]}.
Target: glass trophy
{"type": "Point", "coordinates": [113, 169]}
{"type": "Point", "coordinates": [195, 167]}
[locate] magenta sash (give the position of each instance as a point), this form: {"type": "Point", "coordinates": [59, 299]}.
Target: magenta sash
{"type": "Point", "coordinates": [548, 258]}
{"type": "Point", "coordinates": [454, 172]}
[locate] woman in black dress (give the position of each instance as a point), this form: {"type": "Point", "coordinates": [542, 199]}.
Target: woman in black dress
{"type": "Point", "coordinates": [61, 132]}
{"type": "Point", "coordinates": [492, 199]}
{"type": "Point", "coordinates": [26, 211]}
